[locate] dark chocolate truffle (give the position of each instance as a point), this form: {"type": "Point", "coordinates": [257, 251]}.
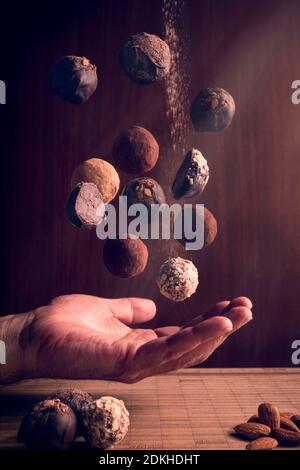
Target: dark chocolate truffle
{"type": "Point", "coordinates": [212, 110]}
{"type": "Point", "coordinates": [125, 258]}
{"type": "Point", "coordinates": [192, 175]}
{"type": "Point", "coordinates": [85, 207]}
{"type": "Point", "coordinates": [210, 228]}
{"type": "Point", "coordinates": [144, 191]}
{"type": "Point", "coordinates": [73, 79]}
{"type": "Point", "coordinates": [135, 150]}
{"type": "Point", "coordinates": [145, 58]}
{"type": "Point", "coordinates": [51, 425]}
{"type": "Point", "coordinates": [75, 399]}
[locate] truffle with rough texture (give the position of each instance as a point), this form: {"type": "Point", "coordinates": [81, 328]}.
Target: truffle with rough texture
{"type": "Point", "coordinates": [85, 207]}
{"type": "Point", "coordinates": [50, 425]}
{"type": "Point", "coordinates": [101, 173]}
{"type": "Point", "coordinates": [212, 110]}
{"type": "Point", "coordinates": [135, 150]}
{"type": "Point", "coordinates": [106, 422]}
{"type": "Point", "coordinates": [210, 227]}
{"type": "Point", "coordinates": [74, 79]}
{"type": "Point", "coordinates": [177, 279]}
{"type": "Point", "coordinates": [145, 191]}
{"type": "Point", "coordinates": [75, 399]}
{"type": "Point", "coordinates": [192, 175]}
{"type": "Point", "coordinates": [125, 258]}
{"type": "Point", "coordinates": [145, 58]}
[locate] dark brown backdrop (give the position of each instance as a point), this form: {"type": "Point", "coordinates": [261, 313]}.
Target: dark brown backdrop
{"type": "Point", "coordinates": [250, 48]}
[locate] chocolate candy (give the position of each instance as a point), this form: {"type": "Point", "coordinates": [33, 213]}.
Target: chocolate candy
{"type": "Point", "coordinates": [85, 207]}
{"type": "Point", "coordinates": [177, 279]}
{"type": "Point", "coordinates": [145, 58]}
{"type": "Point", "coordinates": [75, 399]}
{"type": "Point", "coordinates": [106, 422]}
{"type": "Point", "coordinates": [192, 176]}
{"type": "Point", "coordinates": [73, 79]}
{"type": "Point", "coordinates": [210, 227]}
{"type": "Point", "coordinates": [144, 191]}
{"type": "Point", "coordinates": [212, 110]}
{"type": "Point", "coordinates": [101, 173]}
{"type": "Point", "coordinates": [51, 425]}
{"type": "Point", "coordinates": [125, 258]}
{"type": "Point", "coordinates": [135, 150]}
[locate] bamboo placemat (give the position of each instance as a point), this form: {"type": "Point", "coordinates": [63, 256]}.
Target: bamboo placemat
{"type": "Point", "coordinates": [188, 409]}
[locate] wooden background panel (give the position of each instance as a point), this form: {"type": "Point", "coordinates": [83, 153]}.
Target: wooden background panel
{"type": "Point", "coordinates": [253, 191]}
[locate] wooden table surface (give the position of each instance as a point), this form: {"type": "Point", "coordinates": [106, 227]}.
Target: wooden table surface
{"type": "Point", "coordinates": [187, 409]}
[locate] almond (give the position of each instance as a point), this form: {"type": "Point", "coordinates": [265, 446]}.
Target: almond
{"type": "Point", "coordinates": [286, 423]}
{"type": "Point", "coordinates": [262, 443]}
{"type": "Point", "coordinates": [269, 415]}
{"type": "Point", "coordinates": [252, 430]}
{"type": "Point", "coordinates": [253, 419]}
{"type": "Point", "coordinates": [286, 437]}
{"type": "Point", "coordinates": [296, 420]}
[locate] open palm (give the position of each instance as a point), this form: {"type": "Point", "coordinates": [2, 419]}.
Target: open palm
{"type": "Point", "coordinates": [80, 336]}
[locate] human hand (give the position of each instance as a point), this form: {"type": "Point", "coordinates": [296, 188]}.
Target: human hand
{"type": "Point", "coordinates": [85, 337]}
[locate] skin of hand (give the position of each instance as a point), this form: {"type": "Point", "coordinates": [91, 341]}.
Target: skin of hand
{"type": "Point", "coordinates": [85, 337]}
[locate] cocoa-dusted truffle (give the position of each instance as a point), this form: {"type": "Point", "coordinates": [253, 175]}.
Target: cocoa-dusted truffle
{"type": "Point", "coordinates": [50, 425]}
{"type": "Point", "coordinates": [135, 150]}
{"type": "Point", "coordinates": [145, 191]}
{"type": "Point", "coordinates": [106, 422]}
{"type": "Point", "coordinates": [145, 58]}
{"type": "Point", "coordinates": [212, 110]}
{"type": "Point", "coordinates": [85, 207]}
{"type": "Point", "coordinates": [75, 399]}
{"type": "Point", "coordinates": [177, 279]}
{"type": "Point", "coordinates": [73, 79]}
{"type": "Point", "coordinates": [210, 227]}
{"type": "Point", "coordinates": [125, 258]}
{"type": "Point", "coordinates": [101, 173]}
{"type": "Point", "coordinates": [192, 175]}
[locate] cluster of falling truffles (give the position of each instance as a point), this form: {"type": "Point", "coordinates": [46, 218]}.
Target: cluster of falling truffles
{"type": "Point", "coordinates": [145, 59]}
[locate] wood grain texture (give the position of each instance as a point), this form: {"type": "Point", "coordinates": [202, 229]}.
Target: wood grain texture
{"type": "Point", "coordinates": [182, 410]}
{"type": "Point", "coordinates": [253, 191]}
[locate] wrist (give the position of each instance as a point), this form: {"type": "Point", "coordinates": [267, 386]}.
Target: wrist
{"type": "Point", "coordinates": [14, 332]}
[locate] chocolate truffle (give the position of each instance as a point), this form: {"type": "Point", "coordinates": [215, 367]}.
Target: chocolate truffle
{"type": "Point", "coordinates": [106, 422]}
{"type": "Point", "coordinates": [145, 58]}
{"type": "Point", "coordinates": [212, 110]}
{"type": "Point", "coordinates": [125, 258]}
{"type": "Point", "coordinates": [73, 79]}
{"type": "Point", "coordinates": [75, 399]}
{"type": "Point", "coordinates": [192, 175]}
{"type": "Point", "coordinates": [210, 228]}
{"type": "Point", "coordinates": [85, 207]}
{"type": "Point", "coordinates": [101, 173]}
{"type": "Point", "coordinates": [135, 150]}
{"type": "Point", "coordinates": [51, 425]}
{"type": "Point", "coordinates": [145, 191]}
{"type": "Point", "coordinates": [177, 279]}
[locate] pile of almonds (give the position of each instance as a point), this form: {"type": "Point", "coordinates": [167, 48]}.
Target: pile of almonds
{"type": "Point", "coordinates": [269, 427]}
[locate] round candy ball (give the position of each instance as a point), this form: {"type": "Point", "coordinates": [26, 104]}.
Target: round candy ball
{"type": "Point", "coordinates": [125, 258]}
{"type": "Point", "coordinates": [51, 425]}
{"type": "Point", "coordinates": [212, 110]}
{"type": "Point", "coordinates": [210, 227]}
{"type": "Point", "coordinates": [106, 422]}
{"type": "Point", "coordinates": [177, 279]}
{"type": "Point", "coordinates": [74, 79]}
{"type": "Point", "coordinates": [145, 58]}
{"type": "Point", "coordinates": [101, 173]}
{"type": "Point", "coordinates": [135, 150]}
{"type": "Point", "coordinates": [145, 191]}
